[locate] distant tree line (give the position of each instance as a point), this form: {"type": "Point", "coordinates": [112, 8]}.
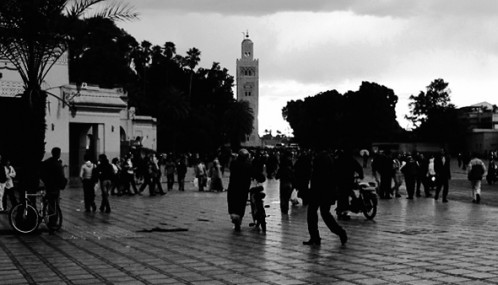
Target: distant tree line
{"type": "Point", "coordinates": [356, 119]}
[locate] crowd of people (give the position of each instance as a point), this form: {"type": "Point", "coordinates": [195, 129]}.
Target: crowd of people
{"type": "Point", "coordinates": [429, 172]}
{"type": "Point", "coordinates": [322, 178]}
{"type": "Point", "coordinates": [318, 178]}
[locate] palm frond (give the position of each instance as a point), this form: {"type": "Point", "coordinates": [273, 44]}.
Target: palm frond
{"type": "Point", "coordinates": [78, 8]}
{"type": "Point", "coordinates": [117, 12]}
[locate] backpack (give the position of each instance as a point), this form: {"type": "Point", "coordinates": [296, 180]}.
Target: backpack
{"type": "Point", "coordinates": [3, 174]}
{"type": "Point", "coordinates": [476, 172]}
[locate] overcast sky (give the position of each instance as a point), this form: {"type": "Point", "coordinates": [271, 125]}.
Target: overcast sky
{"type": "Point", "coordinates": [310, 46]}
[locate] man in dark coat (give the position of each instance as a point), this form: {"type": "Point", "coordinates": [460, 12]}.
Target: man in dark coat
{"type": "Point", "coordinates": [302, 170]}
{"type": "Point", "coordinates": [52, 175]}
{"type": "Point", "coordinates": [443, 174]}
{"type": "Point", "coordinates": [238, 187]}
{"type": "Point", "coordinates": [410, 171]}
{"type": "Point", "coordinates": [322, 196]}
{"type": "Point", "coordinates": [383, 165]}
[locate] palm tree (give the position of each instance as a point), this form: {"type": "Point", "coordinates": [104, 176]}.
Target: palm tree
{"type": "Point", "coordinates": [34, 35]}
{"type": "Point", "coordinates": [191, 61]}
{"type": "Point", "coordinates": [169, 50]}
{"type": "Point", "coordinates": [238, 121]}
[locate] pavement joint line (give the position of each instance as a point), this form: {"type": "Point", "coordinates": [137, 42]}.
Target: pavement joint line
{"type": "Point", "coordinates": [74, 260]}
{"type": "Point", "coordinates": [262, 280]}
{"type": "Point", "coordinates": [168, 260]}
{"type": "Point", "coordinates": [105, 260]}
{"type": "Point", "coordinates": [17, 264]}
{"type": "Point", "coordinates": [192, 268]}
{"type": "Point", "coordinates": [44, 260]}
{"type": "Point", "coordinates": [160, 271]}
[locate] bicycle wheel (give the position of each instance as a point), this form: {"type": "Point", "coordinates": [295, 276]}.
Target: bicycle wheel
{"type": "Point", "coordinates": [369, 207]}
{"type": "Point", "coordinates": [24, 218]}
{"type": "Point", "coordinates": [53, 220]}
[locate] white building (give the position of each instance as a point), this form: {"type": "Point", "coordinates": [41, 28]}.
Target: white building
{"type": "Point", "coordinates": [100, 124]}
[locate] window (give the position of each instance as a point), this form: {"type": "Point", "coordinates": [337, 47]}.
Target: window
{"type": "Point", "coordinates": [247, 93]}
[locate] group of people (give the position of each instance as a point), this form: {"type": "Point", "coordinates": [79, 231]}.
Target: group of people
{"type": "Point", "coordinates": [321, 179]}
{"type": "Point", "coordinates": [431, 171]}
{"type": "Point", "coordinates": [130, 175]}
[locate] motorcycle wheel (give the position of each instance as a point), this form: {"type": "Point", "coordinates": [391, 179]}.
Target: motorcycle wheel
{"type": "Point", "coordinates": [369, 207]}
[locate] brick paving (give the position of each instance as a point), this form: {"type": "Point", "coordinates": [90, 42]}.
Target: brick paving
{"type": "Point", "coordinates": [187, 238]}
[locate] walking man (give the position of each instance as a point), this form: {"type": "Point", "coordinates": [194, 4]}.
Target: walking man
{"type": "Point", "coordinates": [475, 171]}
{"type": "Point", "coordinates": [322, 196]}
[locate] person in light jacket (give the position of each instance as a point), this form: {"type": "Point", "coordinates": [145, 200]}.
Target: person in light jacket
{"type": "Point", "coordinates": [10, 194]}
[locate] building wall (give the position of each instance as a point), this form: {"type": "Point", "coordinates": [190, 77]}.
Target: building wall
{"type": "Point", "coordinates": [482, 140]}
{"type": "Point", "coordinates": [99, 111]}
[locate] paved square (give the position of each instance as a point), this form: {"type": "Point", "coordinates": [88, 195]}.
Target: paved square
{"type": "Point", "coordinates": [187, 238]}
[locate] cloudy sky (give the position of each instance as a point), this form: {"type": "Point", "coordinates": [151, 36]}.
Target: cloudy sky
{"type": "Point", "coordinates": [310, 46]}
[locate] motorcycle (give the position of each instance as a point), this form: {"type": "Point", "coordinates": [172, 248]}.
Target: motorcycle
{"type": "Point", "coordinates": [364, 198]}
{"type": "Point", "coordinates": [256, 197]}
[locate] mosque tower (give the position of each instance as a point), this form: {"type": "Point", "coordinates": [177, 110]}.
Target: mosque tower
{"type": "Point", "coordinates": [248, 85]}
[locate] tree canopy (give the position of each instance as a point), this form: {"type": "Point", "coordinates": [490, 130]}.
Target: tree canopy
{"type": "Point", "coordinates": [436, 97]}
{"type": "Point", "coordinates": [34, 34]}
{"type": "Point", "coordinates": [434, 116]}
{"type": "Point", "coordinates": [189, 102]}
{"type": "Point", "coordinates": [357, 118]}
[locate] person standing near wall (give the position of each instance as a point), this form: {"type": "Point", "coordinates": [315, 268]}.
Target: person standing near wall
{"type": "Point", "coordinates": [10, 194]}
{"type": "Point", "coordinates": [88, 180]}
{"type": "Point", "coordinates": [181, 171]}
{"type": "Point", "coordinates": [170, 168]}
{"type": "Point", "coordinates": [105, 173]}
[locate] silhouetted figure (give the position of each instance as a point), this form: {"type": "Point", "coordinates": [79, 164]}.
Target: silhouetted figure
{"type": "Point", "coordinates": [322, 196]}
{"type": "Point", "coordinates": [344, 168]}
{"type": "Point", "coordinates": [382, 166]}
{"type": "Point", "coordinates": [238, 187]}
{"type": "Point", "coordinates": [302, 169]}
{"type": "Point", "coordinates": [410, 171]}
{"type": "Point", "coordinates": [52, 175]}
{"type": "Point", "coordinates": [443, 174]}
{"type": "Point", "coordinates": [285, 174]}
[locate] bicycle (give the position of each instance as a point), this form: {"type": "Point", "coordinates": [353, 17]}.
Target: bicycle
{"type": "Point", "coordinates": [25, 218]}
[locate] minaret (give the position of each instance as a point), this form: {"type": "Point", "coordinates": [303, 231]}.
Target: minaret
{"type": "Point", "coordinates": [248, 85]}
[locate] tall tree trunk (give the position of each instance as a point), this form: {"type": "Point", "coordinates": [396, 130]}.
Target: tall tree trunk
{"type": "Point", "coordinates": [33, 140]}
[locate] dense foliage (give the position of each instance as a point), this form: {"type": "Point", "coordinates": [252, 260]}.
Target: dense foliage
{"type": "Point", "coordinates": [190, 104]}
{"type": "Point", "coordinates": [34, 34]}
{"type": "Point", "coordinates": [435, 118]}
{"type": "Point", "coordinates": [355, 119]}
